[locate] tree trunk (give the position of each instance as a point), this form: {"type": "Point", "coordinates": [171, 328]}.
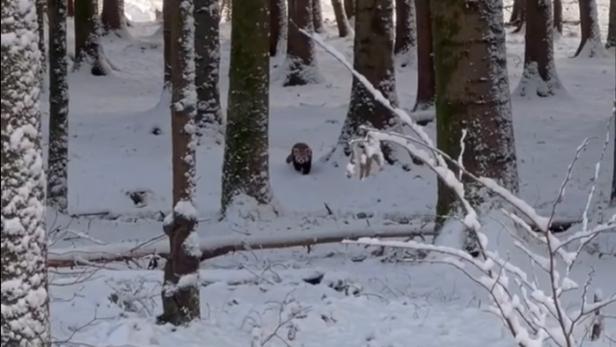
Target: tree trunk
{"type": "Point", "coordinates": [373, 54]}
{"type": "Point", "coordinates": [472, 93]}
{"type": "Point", "coordinates": [25, 299]}
{"type": "Point", "coordinates": [405, 44]}
{"type": "Point", "coordinates": [558, 16]}
{"type": "Point", "coordinates": [113, 17]}
{"type": "Point", "coordinates": [71, 8]}
{"type": "Point", "coordinates": [349, 8]}
{"type": "Point", "coordinates": [317, 16]}
{"type": "Point", "coordinates": [425, 58]}
{"type": "Point", "coordinates": [518, 13]}
{"type": "Point", "coordinates": [611, 28]}
{"type": "Point", "coordinates": [590, 43]}
{"type": "Point", "coordinates": [278, 24]}
{"type": "Point", "coordinates": [344, 28]}
{"type": "Point", "coordinates": [539, 77]}
{"type": "Point", "coordinates": [87, 38]}
{"type": "Point", "coordinates": [225, 10]}
{"type": "Point", "coordinates": [246, 159]}
{"type": "Point", "coordinates": [167, 44]}
{"type": "Point", "coordinates": [300, 63]}
{"type": "Point", "coordinates": [207, 64]}
{"type": "Point", "coordinates": [41, 8]}
{"type": "Point", "coordinates": [181, 302]}
{"type": "Point", "coordinates": [57, 158]}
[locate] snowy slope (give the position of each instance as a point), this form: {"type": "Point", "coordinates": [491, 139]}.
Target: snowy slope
{"type": "Point", "coordinates": [113, 153]}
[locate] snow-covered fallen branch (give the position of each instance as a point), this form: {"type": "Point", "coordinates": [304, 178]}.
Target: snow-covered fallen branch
{"type": "Point", "coordinates": [212, 247]}
{"type": "Point", "coordinates": [538, 315]}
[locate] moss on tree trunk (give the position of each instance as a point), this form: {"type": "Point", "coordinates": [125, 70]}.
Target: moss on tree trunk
{"type": "Point", "coordinates": [246, 159]}
{"type": "Point", "coordinates": [472, 93]}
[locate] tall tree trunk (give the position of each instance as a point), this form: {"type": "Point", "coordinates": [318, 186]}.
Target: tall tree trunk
{"type": "Point", "coordinates": [373, 57]}
{"type": "Point", "coordinates": [113, 17]}
{"type": "Point", "coordinates": [225, 10]}
{"type": "Point", "coordinates": [57, 158]}
{"type": "Point", "coordinates": [590, 39]}
{"type": "Point", "coordinates": [278, 25]}
{"type": "Point", "coordinates": [349, 8]}
{"type": "Point", "coordinates": [425, 58]}
{"type": "Point", "coordinates": [518, 13]}
{"type": "Point", "coordinates": [317, 16]}
{"type": "Point", "coordinates": [207, 64]}
{"type": "Point", "coordinates": [613, 195]}
{"type": "Point", "coordinates": [167, 44]}
{"type": "Point", "coordinates": [472, 93]}
{"type": "Point", "coordinates": [41, 8]}
{"type": "Point", "coordinates": [539, 77]}
{"type": "Point", "coordinates": [300, 63]}
{"type": "Point", "coordinates": [344, 28]}
{"type": "Point", "coordinates": [87, 38]}
{"type": "Point", "coordinates": [25, 299]}
{"type": "Point", "coordinates": [611, 28]}
{"type": "Point", "coordinates": [404, 46]}
{"type": "Point", "coordinates": [245, 169]}
{"type": "Point", "coordinates": [558, 16]}
{"type": "Point", "coordinates": [71, 8]}
{"type": "Point", "coordinates": [181, 302]}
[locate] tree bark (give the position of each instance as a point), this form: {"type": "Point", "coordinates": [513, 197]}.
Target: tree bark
{"type": "Point", "coordinates": [373, 57]}
{"type": "Point", "coordinates": [112, 16]}
{"type": "Point", "coordinates": [87, 38]}
{"type": "Point", "coordinates": [71, 8]}
{"type": "Point", "coordinates": [246, 159]}
{"type": "Point", "coordinates": [349, 8]}
{"type": "Point", "coordinates": [225, 10]}
{"type": "Point", "coordinates": [181, 302]}
{"type": "Point", "coordinates": [317, 16]}
{"type": "Point", "coordinates": [57, 158]}
{"type": "Point", "coordinates": [207, 64]}
{"type": "Point", "coordinates": [472, 93]}
{"type": "Point", "coordinates": [167, 43]}
{"type": "Point", "coordinates": [41, 8]}
{"type": "Point", "coordinates": [611, 28]}
{"type": "Point", "coordinates": [539, 77]}
{"type": "Point", "coordinates": [518, 13]}
{"type": "Point", "coordinates": [558, 16]}
{"type": "Point", "coordinates": [342, 22]}
{"type": "Point", "coordinates": [405, 44]}
{"type": "Point", "coordinates": [25, 299]}
{"type": "Point", "coordinates": [613, 194]}
{"type": "Point", "coordinates": [590, 39]}
{"type": "Point", "coordinates": [300, 63]}
{"type": "Point", "coordinates": [278, 24]}
{"type": "Point", "coordinates": [425, 58]}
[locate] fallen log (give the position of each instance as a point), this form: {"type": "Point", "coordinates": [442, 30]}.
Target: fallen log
{"type": "Point", "coordinates": [212, 247]}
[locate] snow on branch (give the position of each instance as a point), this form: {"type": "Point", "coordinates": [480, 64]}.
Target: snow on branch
{"type": "Point", "coordinates": [538, 315]}
{"type": "Point", "coordinates": [212, 247]}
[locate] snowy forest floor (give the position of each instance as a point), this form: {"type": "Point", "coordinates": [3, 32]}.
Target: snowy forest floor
{"type": "Point", "coordinates": [113, 153]}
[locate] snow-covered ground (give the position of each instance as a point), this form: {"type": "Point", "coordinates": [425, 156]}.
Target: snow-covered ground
{"type": "Point", "coordinates": [360, 301]}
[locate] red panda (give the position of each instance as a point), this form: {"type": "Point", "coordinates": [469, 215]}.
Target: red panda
{"type": "Point", "coordinates": [301, 158]}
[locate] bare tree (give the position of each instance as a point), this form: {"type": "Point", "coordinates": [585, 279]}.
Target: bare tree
{"type": "Point", "coordinates": [558, 16]}
{"type": "Point", "coordinates": [317, 16]}
{"type": "Point", "coordinates": [278, 25]}
{"type": "Point", "coordinates": [373, 57]}
{"type": "Point", "coordinates": [25, 300]}
{"type": "Point", "coordinates": [246, 159]}
{"type": "Point", "coordinates": [57, 158]}
{"type": "Point", "coordinates": [181, 302]}
{"type": "Point", "coordinates": [342, 22]}
{"type": "Point", "coordinates": [112, 16]}
{"type": "Point", "coordinates": [88, 47]}
{"type": "Point", "coordinates": [611, 28]}
{"type": "Point", "coordinates": [207, 64]}
{"type": "Point", "coordinates": [167, 43]}
{"type": "Point", "coordinates": [590, 39]}
{"type": "Point", "coordinates": [405, 44]}
{"type": "Point", "coordinates": [472, 96]}
{"type": "Point", "coordinates": [300, 63]}
{"type": "Point", "coordinates": [71, 8]}
{"type": "Point", "coordinates": [349, 8]}
{"type": "Point", "coordinates": [539, 77]}
{"type": "Point", "coordinates": [41, 8]}
{"type": "Point", "coordinates": [425, 58]}
{"type": "Point", "coordinates": [613, 195]}
{"type": "Point", "coordinates": [518, 13]}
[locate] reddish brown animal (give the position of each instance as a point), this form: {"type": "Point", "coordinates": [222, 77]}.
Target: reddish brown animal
{"type": "Point", "coordinates": [301, 158]}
